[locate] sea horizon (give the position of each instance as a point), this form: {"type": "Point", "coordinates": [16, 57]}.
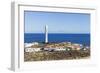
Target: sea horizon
{"type": "Point", "coordinates": [56, 33]}
{"type": "Point", "coordinates": [58, 37]}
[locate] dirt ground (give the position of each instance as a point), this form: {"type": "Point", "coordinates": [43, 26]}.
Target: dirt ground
{"type": "Point", "coordinates": [55, 55]}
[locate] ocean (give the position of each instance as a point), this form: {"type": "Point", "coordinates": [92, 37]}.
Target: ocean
{"type": "Point", "coordinates": [57, 37]}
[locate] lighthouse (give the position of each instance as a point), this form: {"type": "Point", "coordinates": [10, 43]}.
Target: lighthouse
{"type": "Point", "coordinates": [46, 34]}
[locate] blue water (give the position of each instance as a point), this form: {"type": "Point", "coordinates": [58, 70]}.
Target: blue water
{"type": "Point", "coordinates": [74, 38]}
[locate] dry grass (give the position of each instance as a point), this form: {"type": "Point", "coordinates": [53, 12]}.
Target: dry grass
{"type": "Point", "coordinates": [55, 55]}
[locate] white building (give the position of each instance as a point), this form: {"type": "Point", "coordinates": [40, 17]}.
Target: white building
{"type": "Point", "coordinates": [31, 44]}
{"type": "Point", "coordinates": [35, 43]}
{"type": "Point", "coordinates": [28, 44]}
{"type": "Point", "coordinates": [55, 49]}
{"type": "Point", "coordinates": [60, 49]}
{"type": "Point", "coordinates": [32, 49]}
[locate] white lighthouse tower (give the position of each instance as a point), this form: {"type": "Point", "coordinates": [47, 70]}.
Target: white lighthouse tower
{"type": "Point", "coordinates": [46, 33]}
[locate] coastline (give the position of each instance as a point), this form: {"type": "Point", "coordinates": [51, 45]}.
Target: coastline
{"type": "Point", "coordinates": [55, 51]}
{"type": "Point", "coordinates": [58, 37]}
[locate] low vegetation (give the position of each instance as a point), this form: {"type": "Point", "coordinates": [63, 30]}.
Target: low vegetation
{"type": "Point", "coordinates": [55, 55]}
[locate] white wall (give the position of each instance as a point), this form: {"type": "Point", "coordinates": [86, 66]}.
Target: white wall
{"type": "Point", "coordinates": [5, 31]}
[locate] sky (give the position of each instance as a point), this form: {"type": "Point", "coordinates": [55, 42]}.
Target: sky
{"type": "Point", "coordinates": [57, 22]}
